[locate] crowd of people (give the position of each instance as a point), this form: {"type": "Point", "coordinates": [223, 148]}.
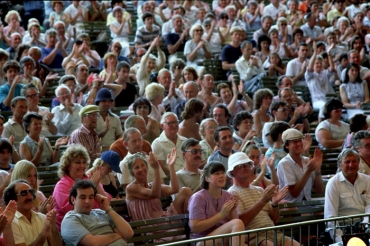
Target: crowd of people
{"type": "Point", "coordinates": [238, 136]}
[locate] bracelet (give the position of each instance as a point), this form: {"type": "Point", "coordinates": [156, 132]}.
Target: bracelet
{"type": "Point", "coordinates": [274, 206]}
{"type": "Point", "coordinates": [108, 210]}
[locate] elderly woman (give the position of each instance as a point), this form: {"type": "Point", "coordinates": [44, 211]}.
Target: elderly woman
{"type": "Point", "coordinates": [331, 132]}
{"type": "Point", "coordinates": [13, 20]}
{"type": "Point", "coordinates": [108, 161]}
{"type": "Point", "coordinates": [54, 52]}
{"type": "Point", "coordinates": [346, 31]}
{"type": "Point", "coordinates": [35, 147]}
{"type": "Point", "coordinates": [285, 30]}
{"type": "Point", "coordinates": [140, 195]}
{"type": "Point", "coordinates": [197, 49]}
{"type": "Point", "coordinates": [91, 55]}
{"type": "Point", "coordinates": [143, 107]}
{"type": "Point", "coordinates": [224, 28]}
{"type": "Point", "coordinates": [71, 82]}
{"type": "Point", "coordinates": [252, 16]}
{"type": "Point", "coordinates": [36, 38]}
{"type": "Point", "coordinates": [109, 73]}
{"type": "Point", "coordinates": [120, 29]}
{"type": "Point", "coordinates": [277, 46]}
{"type": "Point", "coordinates": [213, 38]}
{"type": "Point", "coordinates": [148, 63]}
{"type": "Point", "coordinates": [155, 94]}
{"type": "Point", "coordinates": [27, 170]}
{"type": "Point", "coordinates": [32, 94]}
{"type": "Point", "coordinates": [73, 165]}
{"type": "Point", "coordinates": [262, 100]}
{"type": "Point", "coordinates": [207, 129]}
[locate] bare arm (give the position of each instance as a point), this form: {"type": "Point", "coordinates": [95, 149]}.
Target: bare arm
{"type": "Point", "coordinates": [324, 138]}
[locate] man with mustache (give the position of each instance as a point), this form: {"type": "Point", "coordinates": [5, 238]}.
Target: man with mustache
{"type": "Point", "coordinates": [29, 227]}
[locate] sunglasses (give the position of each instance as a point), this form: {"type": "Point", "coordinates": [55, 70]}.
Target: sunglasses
{"type": "Point", "coordinates": [23, 193]}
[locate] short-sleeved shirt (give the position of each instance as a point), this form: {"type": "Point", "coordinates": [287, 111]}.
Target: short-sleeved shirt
{"type": "Point", "coordinates": [319, 84]}
{"type": "Point", "coordinates": [337, 132]}
{"type": "Point", "coordinates": [144, 36]}
{"type": "Point", "coordinates": [12, 128]}
{"type": "Point", "coordinates": [96, 223]}
{"type": "Point", "coordinates": [26, 232]}
{"type": "Point", "coordinates": [289, 173]}
{"type": "Point", "coordinates": [58, 59]}
{"type": "Point", "coordinates": [315, 32]}
{"type": "Point", "coordinates": [231, 54]}
{"type": "Point", "coordinates": [4, 91]}
{"type": "Point", "coordinates": [203, 206]}
{"type": "Point", "coordinates": [115, 129]}
{"type": "Point", "coordinates": [190, 46]}
{"type": "Point", "coordinates": [172, 39]}
{"type": "Point", "coordinates": [188, 179]}
{"type": "Point", "coordinates": [294, 68]}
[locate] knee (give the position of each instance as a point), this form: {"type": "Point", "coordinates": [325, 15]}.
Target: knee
{"type": "Point", "coordinates": [238, 225]}
{"type": "Point", "coordinates": [185, 192]}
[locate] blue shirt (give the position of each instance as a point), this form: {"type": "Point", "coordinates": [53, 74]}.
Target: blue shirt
{"type": "Point", "coordinates": [179, 108]}
{"type": "Point", "coordinates": [58, 59]}
{"type": "Point", "coordinates": [172, 39]}
{"type": "Point", "coordinates": [4, 91]}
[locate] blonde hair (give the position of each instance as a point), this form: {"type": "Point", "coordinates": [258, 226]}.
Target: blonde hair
{"type": "Point", "coordinates": [20, 171]}
{"type": "Point", "coordinates": [195, 26]}
{"type": "Point", "coordinates": [153, 91]}
{"type": "Point", "coordinates": [10, 13]}
{"type": "Point", "coordinates": [98, 163]}
{"type": "Point", "coordinates": [106, 56]}
{"type": "Point", "coordinates": [73, 151]}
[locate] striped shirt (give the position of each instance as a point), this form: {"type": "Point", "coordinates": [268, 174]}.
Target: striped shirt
{"type": "Point", "coordinates": [144, 36]}
{"type": "Point", "coordinates": [88, 139]}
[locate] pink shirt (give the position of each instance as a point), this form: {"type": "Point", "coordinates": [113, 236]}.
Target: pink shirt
{"type": "Point", "coordinates": [61, 195]}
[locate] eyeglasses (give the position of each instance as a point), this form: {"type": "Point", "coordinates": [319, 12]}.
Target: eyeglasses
{"type": "Point", "coordinates": [33, 95]}
{"type": "Point", "coordinates": [23, 193]}
{"type": "Point", "coordinates": [282, 110]}
{"type": "Point", "coordinates": [195, 151]}
{"type": "Point", "coordinates": [283, 24]}
{"type": "Point", "coordinates": [245, 166]}
{"type": "Point", "coordinates": [198, 30]}
{"type": "Point", "coordinates": [366, 146]}
{"type": "Point", "coordinates": [145, 108]}
{"type": "Point", "coordinates": [172, 123]}
{"type": "Point", "coordinates": [295, 141]}
{"type": "Point", "coordinates": [92, 115]}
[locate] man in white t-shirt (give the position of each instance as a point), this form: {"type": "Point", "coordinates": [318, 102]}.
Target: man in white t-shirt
{"type": "Point", "coordinates": [273, 9]}
{"type": "Point", "coordinates": [297, 67]}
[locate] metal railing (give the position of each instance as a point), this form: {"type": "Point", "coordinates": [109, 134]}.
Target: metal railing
{"type": "Point", "coordinates": [299, 231]}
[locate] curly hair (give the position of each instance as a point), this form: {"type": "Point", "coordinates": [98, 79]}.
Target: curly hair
{"type": "Point", "coordinates": [260, 95]}
{"type": "Point", "coordinates": [73, 151]}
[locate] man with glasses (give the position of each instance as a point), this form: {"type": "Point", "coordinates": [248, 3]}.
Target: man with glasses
{"type": "Point", "coordinates": [86, 134]}
{"type": "Point", "coordinates": [66, 117]}
{"type": "Point", "coordinates": [257, 207]}
{"type": "Point", "coordinates": [133, 142]}
{"type": "Point", "coordinates": [299, 173]}
{"type": "Point", "coordinates": [29, 227]}
{"type": "Point", "coordinates": [298, 114]}
{"type": "Point", "coordinates": [189, 176]}
{"type": "Point", "coordinates": [169, 139]}
{"type": "Point", "coordinates": [361, 142]}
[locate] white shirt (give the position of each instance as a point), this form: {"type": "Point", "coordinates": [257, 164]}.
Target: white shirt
{"type": "Point", "coordinates": [25, 232]}
{"type": "Point", "coordinates": [162, 146]}
{"type": "Point", "coordinates": [246, 71]}
{"type": "Point", "coordinates": [12, 128]}
{"type": "Point", "coordinates": [293, 68]}
{"type": "Point", "coordinates": [319, 84]}
{"type": "Point", "coordinates": [173, 101]}
{"type": "Point", "coordinates": [65, 122]}
{"type": "Point", "coordinates": [342, 198]}
{"type": "Point", "coordinates": [352, 10]}
{"type": "Point", "coordinates": [115, 129]}
{"type": "Point", "coordinates": [72, 11]}
{"type": "Point", "coordinates": [272, 11]}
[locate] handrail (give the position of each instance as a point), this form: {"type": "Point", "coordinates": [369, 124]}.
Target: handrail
{"type": "Point", "coordinates": [280, 228]}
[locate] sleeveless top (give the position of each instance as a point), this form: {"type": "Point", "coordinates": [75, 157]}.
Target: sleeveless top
{"type": "Point", "coordinates": [33, 146]}
{"type": "Point", "coordinates": [111, 189]}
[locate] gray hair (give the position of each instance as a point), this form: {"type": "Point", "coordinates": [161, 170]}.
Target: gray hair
{"type": "Point", "coordinates": [50, 32]}
{"type": "Point", "coordinates": [356, 139]}
{"type": "Point", "coordinates": [26, 59]}
{"type": "Point", "coordinates": [202, 126]}
{"type": "Point", "coordinates": [59, 22]}
{"type": "Point", "coordinates": [176, 17]}
{"type": "Point", "coordinates": [192, 83]}
{"type": "Point", "coordinates": [190, 142]}
{"type": "Point", "coordinates": [65, 78]}
{"type": "Point", "coordinates": [129, 131]}
{"type": "Point", "coordinates": [242, 46]}
{"type": "Point", "coordinates": [266, 17]}
{"type": "Point", "coordinates": [61, 87]}
{"type": "Point", "coordinates": [131, 160]}
{"type": "Point", "coordinates": [341, 19]}
{"type": "Point", "coordinates": [27, 87]}
{"type": "Point", "coordinates": [165, 115]}
{"type": "Point", "coordinates": [132, 121]}
{"type": "Point", "coordinates": [16, 99]}
{"type": "Point", "coordinates": [36, 48]}
{"type": "Point", "coordinates": [347, 152]}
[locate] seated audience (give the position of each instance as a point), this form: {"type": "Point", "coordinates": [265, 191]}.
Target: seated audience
{"type": "Point", "coordinates": [8, 154]}
{"type": "Point", "coordinates": [332, 132]}
{"type": "Point", "coordinates": [172, 95]}
{"type": "Point", "coordinates": [262, 100]}
{"type": "Point", "coordinates": [206, 130]}
{"type": "Point", "coordinates": [257, 208]}
{"type": "Point", "coordinates": [206, 94]}
{"type": "Point", "coordinates": [209, 218]}
{"type": "Point", "coordinates": [221, 114]}
{"type": "Point", "coordinates": [54, 52]}
{"type": "Point", "coordinates": [243, 129]}
{"type": "Point", "coordinates": [231, 52]}
{"type": "Point", "coordinates": [143, 108]}
{"type": "Point", "coordinates": [86, 134]}
{"type": "Point", "coordinates": [128, 93]}
{"type": "Point", "coordinates": [299, 173]}
{"type": "Point", "coordinates": [155, 93]}
{"type": "Point", "coordinates": [344, 192]}
{"type": "Point", "coordinates": [120, 29]}
{"type": "Point", "coordinates": [140, 195]}
{"type": "Point", "coordinates": [360, 142]}
{"type": "Point", "coordinates": [101, 226]}
{"type": "Point", "coordinates": [73, 165]}
{"type": "Point", "coordinates": [30, 227]}
{"type": "Point", "coordinates": [146, 35]}
{"type": "Point", "coordinates": [77, 55]}
{"type": "Point", "coordinates": [192, 116]}
{"type": "Point", "coordinates": [275, 134]}
{"type": "Point", "coordinates": [13, 87]}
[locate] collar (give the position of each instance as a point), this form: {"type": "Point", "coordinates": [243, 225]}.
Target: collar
{"type": "Point", "coordinates": [343, 179]}
{"type": "Point", "coordinates": [173, 31]}
{"type": "Point", "coordinates": [164, 138]}
{"type": "Point", "coordinates": [84, 129]}
{"type": "Point", "coordinates": [199, 172]}
{"type": "Point", "coordinates": [12, 122]}
{"type": "Point", "coordinates": [19, 215]}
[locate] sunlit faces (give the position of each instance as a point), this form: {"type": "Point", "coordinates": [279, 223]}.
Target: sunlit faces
{"type": "Point", "coordinates": [84, 201]}
{"type": "Point", "coordinates": [318, 66]}
{"type": "Point", "coordinates": [336, 114]}
{"type": "Point", "coordinates": [242, 171]}
{"type": "Point", "coordinates": [151, 64]}
{"type": "Point", "coordinates": [295, 146]}
{"type": "Point", "coordinates": [236, 37]}
{"type": "Point", "coordinates": [165, 79]}
{"type": "Point", "coordinates": [287, 96]}
{"type": "Point", "coordinates": [217, 179]}
{"type": "Point", "coordinates": [135, 143]}
{"type": "Point", "coordinates": [141, 126]}
{"type": "Point", "coordinates": [105, 105]}
{"type": "Point", "coordinates": [266, 24]}
{"type": "Point", "coordinates": [148, 22]}
{"type": "Point", "coordinates": [106, 169]}
{"type": "Point", "coordinates": [254, 155]}
{"type": "Point", "coordinates": [35, 126]}
{"type": "Point", "coordinates": [286, 82]}
{"type": "Point", "coordinates": [352, 73]}
{"type": "Point", "coordinates": [193, 155]}
{"type": "Point", "coordinates": [225, 140]}
{"type": "Point", "coordinates": [51, 40]}
{"type": "Point", "coordinates": [139, 169]}
{"type": "Point", "coordinates": [209, 129]}
{"type": "Point", "coordinates": [15, 40]}
{"type": "Point", "coordinates": [226, 95]}
{"type": "Point", "coordinates": [274, 35]}
{"type": "Point", "coordinates": [219, 115]}
{"type": "Point", "coordinates": [266, 101]}
{"type": "Point", "coordinates": [331, 39]}
{"type": "Point", "coordinates": [188, 76]}
{"type": "Point", "coordinates": [24, 203]}
{"type": "Point", "coordinates": [63, 95]}
{"type": "Point", "coordinates": [357, 44]}
{"type": "Point", "coordinates": [208, 81]}
{"type": "Point", "coordinates": [354, 57]}
{"type": "Point", "coordinates": [343, 25]}
{"type": "Point", "coordinates": [170, 125]}
{"type": "Point", "coordinates": [245, 126]}
{"type": "Point", "coordinates": [274, 59]}
{"type": "Point", "coordinates": [32, 178]}
{"type": "Point", "coordinates": [20, 109]}
{"type": "Point", "coordinates": [177, 24]}
{"type": "Point", "coordinates": [90, 120]}
{"type": "Point", "coordinates": [282, 113]}
{"type": "Point", "coordinates": [11, 73]}
{"type": "Point", "coordinates": [28, 68]}
{"type": "Point", "coordinates": [82, 73]}
{"type": "Point", "coordinates": [112, 61]}
{"type": "Point", "coordinates": [77, 168]}
{"type": "Point", "coordinates": [247, 50]}
{"type": "Point", "coordinates": [190, 91]}
{"type": "Point", "coordinates": [35, 30]}
{"type": "Point", "coordinates": [350, 166]}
